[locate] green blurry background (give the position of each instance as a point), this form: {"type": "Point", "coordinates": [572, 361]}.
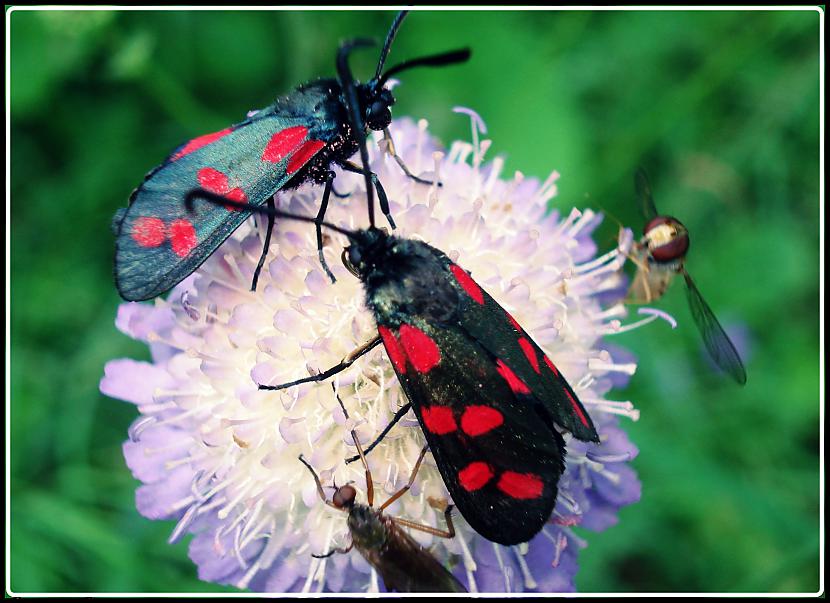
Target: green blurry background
{"type": "Point", "coordinates": [721, 107]}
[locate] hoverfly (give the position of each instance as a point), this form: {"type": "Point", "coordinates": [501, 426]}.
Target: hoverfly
{"type": "Point", "coordinates": [659, 256]}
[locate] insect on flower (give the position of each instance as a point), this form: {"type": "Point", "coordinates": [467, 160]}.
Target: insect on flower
{"type": "Point", "coordinates": [659, 256]}
{"type": "Point", "coordinates": [404, 565]}
{"type": "Point", "coordinates": [294, 140]}
{"type": "Point", "coordinates": [489, 401]}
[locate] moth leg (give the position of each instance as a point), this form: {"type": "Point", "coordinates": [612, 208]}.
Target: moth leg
{"type": "Point", "coordinates": [383, 200]}
{"type": "Point", "coordinates": [340, 195]}
{"type": "Point", "coordinates": [411, 481]}
{"type": "Point", "coordinates": [347, 361]}
{"type": "Point", "coordinates": [390, 149]}
{"type": "Point", "coordinates": [398, 416]}
{"type": "Point", "coordinates": [265, 246]}
{"type": "Point", "coordinates": [318, 224]}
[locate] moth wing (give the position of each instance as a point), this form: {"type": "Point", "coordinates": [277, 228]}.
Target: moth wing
{"type": "Point", "coordinates": [495, 330]}
{"type": "Point", "coordinates": [498, 452]}
{"type": "Point", "coordinates": [159, 242]}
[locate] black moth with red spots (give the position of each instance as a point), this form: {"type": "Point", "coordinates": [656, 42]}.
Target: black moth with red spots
{"type": "Point", "coordinates": [488, 399]}
{"type": "Point", "coordinates": [295, 140]}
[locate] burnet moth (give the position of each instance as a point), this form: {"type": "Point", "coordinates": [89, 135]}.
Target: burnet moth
{"type": "Point", "coordinates": [490, 402]}
{"type": "Point", "coordinates": [403, 564]}
{"type": "Point", "coordinates": [294, 140]}
{"type": "Point", "coordinates": [659, 256]}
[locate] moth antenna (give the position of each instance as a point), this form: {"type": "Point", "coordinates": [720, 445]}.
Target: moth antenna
{"type": "Point", "coordinates": [355, 120]}
{"type": "Point", "coordinates": [443, 59]}
{"type": "Point", "coordinates": [393, 31]}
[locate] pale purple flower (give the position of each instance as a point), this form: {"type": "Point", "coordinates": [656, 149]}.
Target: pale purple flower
{"type": "Point", "coordinates": [220, 456]}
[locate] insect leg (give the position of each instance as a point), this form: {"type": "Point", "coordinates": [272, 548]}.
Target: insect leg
{"type": "Point", "coordinates": [340, 195]}
{"type": "Point", "coordinates": [333, 551]}
{"type": "Point", "coordinates": [265, 246]}
{"type": "Point", "coordinates": [347, 361]}
{"type": "Point", "coordinates": [448, 533]}
{"type": "Point", "coordinates": [398, 416]}
{"type": "Point", "coordinates": [382, 198]}
{"type": "Point", "coordinates": [411, 481]}
{"type": "Point", "coordinates": [390, 149]}
{"type": "Point", "coordinates": [318, 223]}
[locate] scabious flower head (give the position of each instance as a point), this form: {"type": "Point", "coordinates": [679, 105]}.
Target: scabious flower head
{"type": "Point", "coordinates": [220, 456]}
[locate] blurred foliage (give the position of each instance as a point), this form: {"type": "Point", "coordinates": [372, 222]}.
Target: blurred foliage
{"type": "Point", "coordinates": [722, 108]}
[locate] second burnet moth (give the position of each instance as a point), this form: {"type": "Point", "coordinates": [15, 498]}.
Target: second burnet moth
{"type": "Point", "coordinates": [661, 255]}
{"type": "Point", "coordinates": [403, 564]}
{"type": "Point", "coordinates": [296, 139]}
{"type": "Point", "coordinates": [491, 404]}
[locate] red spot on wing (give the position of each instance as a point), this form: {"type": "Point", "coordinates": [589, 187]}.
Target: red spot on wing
{"type": "Point", "coordinates": [237, 194]}
{"type": "Point", "coordinates": [421, 350]}
{"type": "Point", "coordinates": [182, 237]}
{"type": "Point", "coordinates": [520, 485]}
{"type": "Point", "coordinates": [478, 420]}
{"type": "Point", "coordinates": [530, 352]}
{"type": "Point", "coordinates": [283, 143]}
{"type": "Point", "coordinates": [513, 322]}
{"type": "Point", "coordinates": [551, 366]}
{"type": "Point", "coordinates": [148, 232]}
{"type": "Point", "coordinates": [302, 155]}
{"type": "Point", "coordinates": [393, 349]}
{"type": "Point", "coordinates": [517, 385]}
{"type": "Point", "coordinates": [201, 141]}
{"type": "Point", "coordinates": [475, 476]}
{"type": "Point", "coordinates": [577, 409]}
{"type": "Point", "coordinates": [215, 181]}
{"type": "Point", "coordinates": [438, 419]}
{"type": "Point", "coordinates": [467, 283]}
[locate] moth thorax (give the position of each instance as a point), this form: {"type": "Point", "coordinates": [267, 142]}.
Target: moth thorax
{"type": "Point", "coordinates": [667, 239]}
{"type": "Point", "coordinates": [366, 527]}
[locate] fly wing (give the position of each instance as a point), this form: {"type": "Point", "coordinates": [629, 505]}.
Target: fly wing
{"type": "Point", "coordinates": [496, 448]}
{"type": "Point", "coordinates": [406, 567]}
{"type": "Point", "coordinates": [717, 342]}
{"type": "Point", "coordinates": [159, 242]}
{"type": "Point", "coordinates": [642, 186]}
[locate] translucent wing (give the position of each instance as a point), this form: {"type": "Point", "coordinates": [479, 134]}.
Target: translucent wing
{"type": "Point", "coordinates": [717, 342]}
{"type": "Point", "coordinates": [643, 188]}
{"type": "Point", "coordinates": [159, 242]}
{"type": "Point", "coordinates": [407, 568]}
